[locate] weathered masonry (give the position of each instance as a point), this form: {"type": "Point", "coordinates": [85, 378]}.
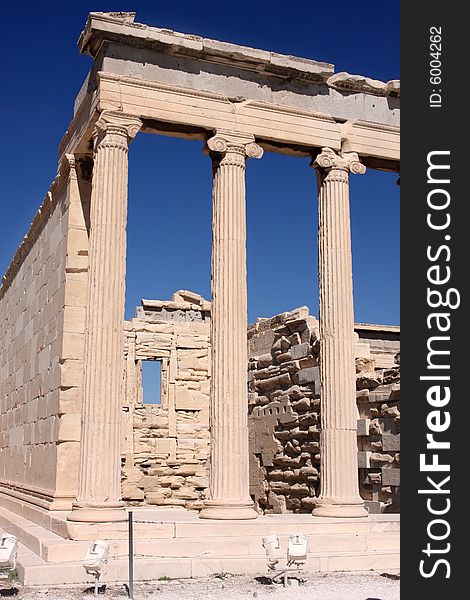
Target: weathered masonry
{"type": "Point", "coordinates": [285, 413]}
{"type": "Point", "coordinates": [62, 298]}
{"type": "Point", "coordinates": [165, 448]}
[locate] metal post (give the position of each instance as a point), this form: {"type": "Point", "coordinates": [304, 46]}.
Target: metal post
{"type": "Point", "coordinates": [131, 556]}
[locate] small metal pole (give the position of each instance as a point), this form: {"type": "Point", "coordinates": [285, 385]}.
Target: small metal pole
{"type": "Point", "coordinates": [131, 556]}
{"type": "Point", "coordinates": [97, 577]}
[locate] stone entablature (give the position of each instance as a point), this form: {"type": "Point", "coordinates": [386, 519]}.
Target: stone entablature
{"type": "Point", "coordinates": [191, 86]}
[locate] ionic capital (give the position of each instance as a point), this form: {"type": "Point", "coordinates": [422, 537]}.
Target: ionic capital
{"type": "Point", "coordinates": [120, 127]}
{"type": "Point", "coordinates": [67, 167]}
{"type": "Point", "coordinates": [229, 142]}
{"type": "Point", "coordinates": [328, 160]}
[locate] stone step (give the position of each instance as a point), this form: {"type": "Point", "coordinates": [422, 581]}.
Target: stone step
{"type": "Point", "coordinates": [31, 535]}
{"type": "Point", "coordinates": [178, 544]}
{"type": "Point", "coordinates": [53, 551]}
{"type": "Point", "coordinates": [37, 572]}
{"type": "Point", "coordinates": [188, 537]}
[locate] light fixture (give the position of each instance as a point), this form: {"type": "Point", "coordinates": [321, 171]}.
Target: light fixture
{"type": "Point", "coordinates": [297, 550]}
{"type": "Point", "coordinates": [8, 550]}
{"type": "Point", "coordinates": [95, 560]}
{"type": "Point", "coordinates": [273, 550]}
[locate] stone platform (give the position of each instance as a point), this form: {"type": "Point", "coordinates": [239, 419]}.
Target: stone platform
{"type": "Point", "coordinates": [175, 543]}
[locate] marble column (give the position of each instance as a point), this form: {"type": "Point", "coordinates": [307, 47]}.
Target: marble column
{"type": "Point", "coordinates": [229, 496]}
{"type": "Point", "coordinates": [339, 489]}
{"type": "Point", "coordinates": [99, 484]}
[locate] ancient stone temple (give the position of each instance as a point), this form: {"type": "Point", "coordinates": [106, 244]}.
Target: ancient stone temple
{"type": "Point", "coordinates": [241, 429]}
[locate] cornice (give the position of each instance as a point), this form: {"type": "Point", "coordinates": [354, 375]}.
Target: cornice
{"type": "Point", "coordinates": [122, 29]}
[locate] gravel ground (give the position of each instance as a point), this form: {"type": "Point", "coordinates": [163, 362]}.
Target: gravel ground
{"type": "Point", "coordinates": [332, 586]}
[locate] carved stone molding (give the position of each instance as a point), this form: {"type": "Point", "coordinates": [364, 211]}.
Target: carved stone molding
{"type": "Point", "coordinates": [115, 129]}
{"type": "Point", "coordinates": [329, 160]}
{"type": "Point", "coordinates": [228, 142]}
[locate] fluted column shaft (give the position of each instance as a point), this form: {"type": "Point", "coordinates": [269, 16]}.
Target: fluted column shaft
{"type": "Point", "coordinates": [229, 496]}
{"type": "Point", "coordinates": [99, 488]}
{"type": "Point", "coordinates": [339, 489]}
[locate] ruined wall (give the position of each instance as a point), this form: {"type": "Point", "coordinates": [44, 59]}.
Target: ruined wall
{"type": "Point", "coordinates": [166, 446]}
{"type": "Point", "coordinates": [41, 306]}
{"type": "Point", "coordinates": [378, 401]}
{"type": "Point", "coordinates": [284, 413]}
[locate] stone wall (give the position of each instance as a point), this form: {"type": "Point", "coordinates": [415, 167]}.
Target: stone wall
{"type": "Point", "coordinates": [166, 446]}
{"type": "Point", "coordinates": [284, 413]}
{"type": "Point", "coordinates": [41, 320]}
{"type": "Point", "coordinates": [378, 401]}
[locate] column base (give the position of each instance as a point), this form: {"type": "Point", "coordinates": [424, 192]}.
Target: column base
{"type": "Point", "coordinates": [235, 512]}
{"type": "Point", "coordinates": [330, 508]}
{"type": "Point", "coordinates": [98, 513]}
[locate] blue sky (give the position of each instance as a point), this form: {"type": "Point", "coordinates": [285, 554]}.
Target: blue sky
{"type": "Point", "coordinates": [169, 233]}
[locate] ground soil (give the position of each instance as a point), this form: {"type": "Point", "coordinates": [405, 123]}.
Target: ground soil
{"type": "Point", "coordinates": [331, 586]}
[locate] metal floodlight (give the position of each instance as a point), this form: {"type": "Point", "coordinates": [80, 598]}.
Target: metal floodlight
{"type": "Point", "coordinates": [273, 550]}
{"type": "Point", "coordinates": [8, 550]}
{"type": "Point", "coordinates": [297, 549]}
{"type": "Point", "coordinates": [95, 560]}
{"type": "Point", "coordinates": [296, 558]}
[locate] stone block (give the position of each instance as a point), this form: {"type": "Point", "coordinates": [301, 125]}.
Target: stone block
{"type": "Point", "coordinates": [363, 460]}
{"type": "Point", "coordinates": [310, 375]}
{"type": "Point", "coordinates": [186, 493]}
{"type": "Point", "coordinates": [302, 404]}
{"type": "Point", "coordinates": [390, 477]}
{"type": "Point", "coordinates": [391, 442]}
{"type": "Point", "coordinates": [186, 399]}
{"type": "Point", "coordinates": [15, 437]}
{"type": "Point", "coordinates": [379, 457]}
{"type": "Point", "coordinates": [374, 507]}
{"type": "Point", "coordinates": [68, 455]}
{"type": "Point", "coordinates": [283, 357]}
{"type": "Point", "coordinates": [74, 319]}
{"type": "Point", "coordinates": [69, 428]}
{"type": "Point", "coordinates": [157, 497]}
{"type": "Point", "coordinates": [272, 383]}
{"type": "Point", "coordinates": [278, 503]}
{"type": "Point", "coordinates": [132, 492]}
{"type": "Point", "coordinates": [71, 373]}
{"type": "Point", "coordinates": [363, 426]}
{"type": "Point", "coordinates": [75, 290]}
{"type": "Point", "coordinates": [171, 481]}
{"type": "Point", "coordinates": [73, 345]}
{"type": "Point", "coordinates": [261, 343]}
{"type": "Point", "coordinates": [186, 470]}
{"type": "Point", "coordinates": [199, 482]}
{"type": "Point", "coordinates": [164, 446]}
{"type": "Point", "coordinates": [300, 351]}
{"type": "Point", "coordinates": [70, 399]}
{"type": "Point", "coordinates": [305, 363]}
{"type": "Point", "coordinates": [364, 365]}
{"type": "Point", "coordinates": [362, 350]}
